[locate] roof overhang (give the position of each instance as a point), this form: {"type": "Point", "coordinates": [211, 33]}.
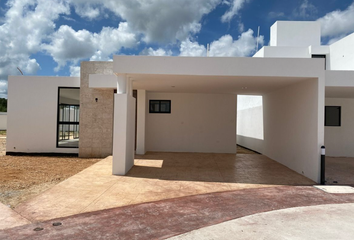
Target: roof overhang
{"type": "Point", "coordinates": [215, 74]}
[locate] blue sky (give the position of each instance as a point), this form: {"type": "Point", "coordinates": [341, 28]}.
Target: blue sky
{"type": "Point", "coordinates": [51, 37]}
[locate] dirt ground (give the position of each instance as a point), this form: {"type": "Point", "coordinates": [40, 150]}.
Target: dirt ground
{"type": "Point", "coordinates": [23, 177]}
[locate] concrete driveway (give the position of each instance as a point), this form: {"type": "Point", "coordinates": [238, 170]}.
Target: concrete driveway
{"type": "Point", "coordinates": [157, 176]}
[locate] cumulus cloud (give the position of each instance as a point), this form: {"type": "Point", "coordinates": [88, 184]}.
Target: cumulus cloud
{"type": "Point", "coordinates": [70, 45]}
{"type": "Point", "coordinates": [306, 10]}
{"type": "Point", "coordinates": [193, 49]}
{"type": "Point", "coordinates": [25, 25]}
{"type": "Point", "coordinates": [87, 11]}
{"type": "Point", "coordinates": [158, 52]}
{"type": "Point", "coordinates": [244, 46]}
{"type": "Point", "coordinates": [67, 44]}
{"type": "Point", "coordinates": [74, 71]}
{"type": "Point", "coordinates": [158, 20]}
{"type": "Point", "coordinates": [225, 46]}
{"type": "Point", "coordinates": [235, 7]}
{"type": "Point", "coordinates": [338, 23]}
{"type": "Point", "coordinates": [3, 89]}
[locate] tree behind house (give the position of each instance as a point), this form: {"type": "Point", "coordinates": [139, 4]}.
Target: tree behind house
{"type": "Point", "coordinates": [3, 105]}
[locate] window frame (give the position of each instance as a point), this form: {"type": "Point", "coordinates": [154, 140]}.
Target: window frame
{"type": "Point", "coordinates": [158, 100]}
{"type": "Point", "coordinates": [340, 116]}
{"type": "Point", "coordinates": [65, 122]}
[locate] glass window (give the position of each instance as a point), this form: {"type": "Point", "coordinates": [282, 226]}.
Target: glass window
{"type": "Point", "coordinates": [68, 118]}
{"type": "Point", "coordinates": [160, 106]}
{"type": "Point", "coordinates": [333, 116]}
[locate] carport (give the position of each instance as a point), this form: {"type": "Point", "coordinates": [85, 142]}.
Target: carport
{"type": "Point", "coordinates": [339, 127]}
{"type": "Point", "coordinates": [204, 90]}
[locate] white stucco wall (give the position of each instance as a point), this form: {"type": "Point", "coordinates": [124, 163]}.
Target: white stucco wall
{"type": "Point", "coordinates": [3, 120]}
{"type": "Point", "coordinates": [284, 52]}
{"type": "Point", "coordinates": [197, 123]}
{"type": "Point", "coordinates": [141, 120]}
{"type": "Point", "coordinates": [123, 133]}
{"type": "Point", "coordinates": [342, 54]}
{"type": "Point", "coordinates": [292, 133]}
{"type": "Point", "coordinates": [339, 141]}
{"type": "Point", "coordinates": [295, 33]}
{"type": "Point", "coordinates": [32, 113]}
{"type": "Point", "coordinates": [250, 122]}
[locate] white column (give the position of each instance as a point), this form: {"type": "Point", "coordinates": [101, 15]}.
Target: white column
{"type": "Point", "coordinates": [141, 112]}
{"type": "Point", "coordinates": [121, 84]}
{"type": "Point", "coordinates": [123, 130]}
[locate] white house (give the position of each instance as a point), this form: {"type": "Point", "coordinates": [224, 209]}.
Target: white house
{"type": "Point", "coordinates": [189, 104]}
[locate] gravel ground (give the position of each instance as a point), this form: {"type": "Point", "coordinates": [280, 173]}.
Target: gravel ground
{"type": "Point", "coordinates": [23, 177]}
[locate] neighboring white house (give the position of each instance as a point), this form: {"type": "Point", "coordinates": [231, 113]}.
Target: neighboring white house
{"type": "Point", "coordinates": [303, 40]}
{"type": "Point", "coordinates": [189, 104]}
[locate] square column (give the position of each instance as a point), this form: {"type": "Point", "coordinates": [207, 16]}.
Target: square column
{"type": "Point", "coordinates": [123, 133]}
{"type": "Point", "coordinates": [141, 118]}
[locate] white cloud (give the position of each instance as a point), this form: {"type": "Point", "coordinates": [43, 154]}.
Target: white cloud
{"type": "Point", "coordinates": [306, 10]}
{"type": "Point", "coordinates": [225, 46]}
{"type": "Point", "coordinates": [244, 46]}
{"type": "Point", "coordinates": [235, 7]}
{"type": "Point", "coordinates": [87, 11]}
{"type": "Point", "coordinates": [74, 71]}
{"type": "Point", "coordinates": [338, 23]}
{"type": "Point", "coordinates": [3, 89]}
{"type": "Point", "coordinates": [70, 45]}
{"type": "Point", "coordinates": [192, 49]}
{"type": "Point", "coordinates": [157, 20]}
{"type": "Point", "coordinates": [273, 15]}
{"type": "Point", "coordinates": [158, 52]}
{"type": "Point", "coordinates": [335, 39]}
{"type": "Point", "coordinates": [25, 26]}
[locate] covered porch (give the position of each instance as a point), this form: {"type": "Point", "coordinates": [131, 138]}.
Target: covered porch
{"type": "Point", "coordinates": [202, 92]}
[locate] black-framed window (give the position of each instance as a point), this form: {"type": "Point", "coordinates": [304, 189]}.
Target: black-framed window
{"type": "Point", "coordinates": [68, 118]}
{"type": "Point", "coordinates": [333, 116]}
{"type": "Point", "coordinates": [160, 106]}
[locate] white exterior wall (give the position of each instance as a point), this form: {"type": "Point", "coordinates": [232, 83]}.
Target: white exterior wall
{"type": "Point", "coordinates": [295, 33]}
{"type": "Point", "coordinates": [197, 123]}
{"type": "Point", "coordinates": [285, 52]}
{"type": "Point", "coordinates": [339, 141]}
{"type": "Point", "coordinates": [123, 133]}
{"type": "Point", "coordinates": [342, 54]}
{"type": "Point", "coordinates": [141, 120]}
{"type": "Point", "coordinates": [32, 113]}
{"type": "Point", "coordinates": [3, 120]}
{"type": "Point", "coordinates": [250, 122]}
{"type": "Point", "coordinates": [293, 118]}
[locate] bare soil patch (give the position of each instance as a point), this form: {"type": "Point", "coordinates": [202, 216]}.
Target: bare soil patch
{"type": "Point", "coordinates": [23, 177]}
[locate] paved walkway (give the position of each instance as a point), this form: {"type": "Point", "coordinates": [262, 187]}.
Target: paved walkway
{"type": "Point", "coordinates": [10, 219]}
{"type": "Point", "coordinates": [157, 176]}
{"type": "Point", "coordinates": [339, 170]}
{"type": "Point", "coordinates": [333, 221]}
{"type": "Point", "coordinates": [172, 217]}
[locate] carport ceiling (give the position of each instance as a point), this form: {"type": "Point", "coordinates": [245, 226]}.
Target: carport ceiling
{"type": "Point", "coordinates": [339, 92]}
{"type": "Point", "coordinates": [211, 84]}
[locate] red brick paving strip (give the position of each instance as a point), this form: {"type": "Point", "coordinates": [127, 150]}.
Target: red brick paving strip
{"type": "Point", "coordinates": [167, 218]}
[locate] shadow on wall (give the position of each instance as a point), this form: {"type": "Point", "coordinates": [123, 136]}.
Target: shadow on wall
{"type": "Point", "coordinates": [254, 144]}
